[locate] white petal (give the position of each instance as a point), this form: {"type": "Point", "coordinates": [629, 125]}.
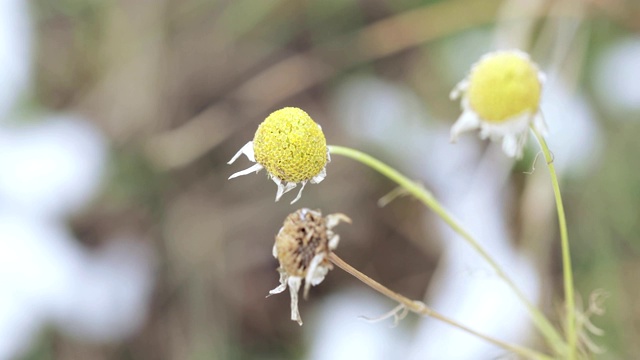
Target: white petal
{"type": "Point", "coordinates": [254, 168]}
{"type": "Point", "coordinates": [274, 251]}
{"type": "Point", "coordinates": [488, 131]}
{"type": "Point", "coordinates": [510, 145]}
{"type": "Point", "coordinates": [334, 241]}
{"type": "Point", "coordinates": [294, 287]}
{"type": "Point", "coordinates": [321, 175]}
{"type": "Point", "coordinates": [315, 273]}
{"type": "Point", "coordinates": [283, 188]}
{"type": "Point", "coordinates": [335, 219]}
{"type": "Point", "coordinates": [247, 150]}
{"type": "Point", "coordinates": [278, 290]}
{"type": "Point", "coordinates": [542, 78]}
{"type": "Point", "coordinates": [540, 125]}
{"type": "Point", "coordinates": [283, 284]}
{"type": "Point", "coordinates": [513, 144]}
{"type": "Point", "coordinates": [459, 89]}
{"type": "Point", "coordinates": [302, 213]}
{"type": "Point", "coordinates": [467, 121]}
{"type": "Point", "coordinates": [299, 192]}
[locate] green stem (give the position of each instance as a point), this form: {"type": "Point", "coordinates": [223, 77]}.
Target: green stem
{"type": "Point", "coordinates": [566, 255]}
{"type": "Point", "coordinates": [422, 194]}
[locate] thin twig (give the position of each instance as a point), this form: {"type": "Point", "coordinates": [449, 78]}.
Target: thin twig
{"type": "Point", "coordinates": [420, 308]}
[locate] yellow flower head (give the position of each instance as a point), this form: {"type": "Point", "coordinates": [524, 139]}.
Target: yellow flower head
{"type": "Point", "coordinates": [291, 147]}
{"type": "Point", "coordinates": [503, 86]}
{"type": "Point", "coordinates": [501, 96]}
{"type": "Point", "coordinates": [302, 248]}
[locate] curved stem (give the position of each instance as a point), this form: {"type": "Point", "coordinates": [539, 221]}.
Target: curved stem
{"type": "Point", "coordinates": [566, 255]}
{"type": "Point", "coordinates": [422, 194]}
{"type": "Point", "coordinates": [420, 308]}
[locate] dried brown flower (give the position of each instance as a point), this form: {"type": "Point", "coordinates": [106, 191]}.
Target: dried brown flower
{"type": "Point", "coordinates": [302, 247]}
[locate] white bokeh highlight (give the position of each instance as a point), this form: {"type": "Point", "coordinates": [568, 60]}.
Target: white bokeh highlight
{"type": "Point", "coordinates": [52, 167]}
{"type": "Point", "coordinates": [339, 333]}
{"type": "Point", "coordinates": [575, 135]}
{"type": "Point", "coordinates": [56, 165]}
{"type": "Point", "coordinates": [617, 77]}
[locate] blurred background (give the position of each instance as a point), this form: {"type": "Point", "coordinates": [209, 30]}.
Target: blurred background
{"type": "Point", "coordinates": [121, 237]}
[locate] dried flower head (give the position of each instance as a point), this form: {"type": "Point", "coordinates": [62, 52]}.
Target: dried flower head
{"type": "Point", "coordinates": [501, 96]}
{"type": "Point", "coordinates": [291, 147]}
{"type": "Point", "coordinates": [302, 247]}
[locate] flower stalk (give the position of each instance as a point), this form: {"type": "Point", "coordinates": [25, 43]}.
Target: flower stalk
{"type": "Point", "coordinates": [567, 271]}
{"type": "Point", "coordinates": [420, 308]}
{"type": "Point", "coordinates": [422, 194]}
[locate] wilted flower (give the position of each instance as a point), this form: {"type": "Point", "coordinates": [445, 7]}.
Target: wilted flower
{"type": "Point", "coordinates": [302, 247]}
{"type": "Point", "coordinates": [501, 96]}
{"type": "Point", "coordinates": [291, 147]}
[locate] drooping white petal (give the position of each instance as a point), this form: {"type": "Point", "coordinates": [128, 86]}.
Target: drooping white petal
{"type": "Point", "coordinates": [283, 187]}
{"type": "Point", "coordinates": [299, 192]}
{"type": "Point", "coordinates": [513, 144]}
{"type": "Point", "coordinates": [488, 131]}
{"type": "Point", "coordinates": [247, 150]}
{"type": "Point", "coordinates": [283, 284]}
{"type": "Point", "coordinates": [315, 273]}
{"type": "Point", "coordinates": [510, 145]}
{"type": "Point", "coordinates": [280, 288]}
{"type": "Point", "coordinates": [319, 274]}
{"type": "Point", "coordinates": [459, 89]}
{"type": "Point", "coordinates": [467, 121]}
{"type": "Point", "coordinates": [294, 287]}
{"type": "Point", "coordinates": [254, 168]}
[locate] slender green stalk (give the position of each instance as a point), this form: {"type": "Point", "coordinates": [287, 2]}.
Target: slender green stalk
{"type": "Point", "coordinates": [420, 308]}
{"type": "Point", "coordinates": [548, 331]}
{"type": "Point", "coordinates": [566, 255]}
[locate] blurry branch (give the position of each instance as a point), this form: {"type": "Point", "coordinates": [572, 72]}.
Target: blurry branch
{"type": "Point", "coordinates": [285, 79]}
{"type": "Point", "coordinates": [300, 72]}
{"type": "Point", "coordinates": [565, 41]}
{"type": "Point", "coordinates": [179, 147]}
{"type": "Point", "coordinates": [127, 98]}
{"type": "Point", "coordinates": [415, 27]}
{"type": "Point", "coordinates": [618, 11]}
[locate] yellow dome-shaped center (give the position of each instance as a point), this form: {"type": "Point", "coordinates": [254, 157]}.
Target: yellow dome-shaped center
{"type": "Point", "coordinates": [503, 86]}
{"type": "Point", "coordinates": [290, 145]}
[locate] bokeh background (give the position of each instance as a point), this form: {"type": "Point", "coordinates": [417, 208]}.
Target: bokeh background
{"type": "Point", "coordinates": [121, 237]}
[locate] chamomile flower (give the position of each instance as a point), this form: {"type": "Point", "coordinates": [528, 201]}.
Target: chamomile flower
{"type": "Point", "coordinates": [501, 96]}
{"type": "Point", "coordinates": [302, 247]}
{"type": "Point", "coordinates": [291, 147]}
